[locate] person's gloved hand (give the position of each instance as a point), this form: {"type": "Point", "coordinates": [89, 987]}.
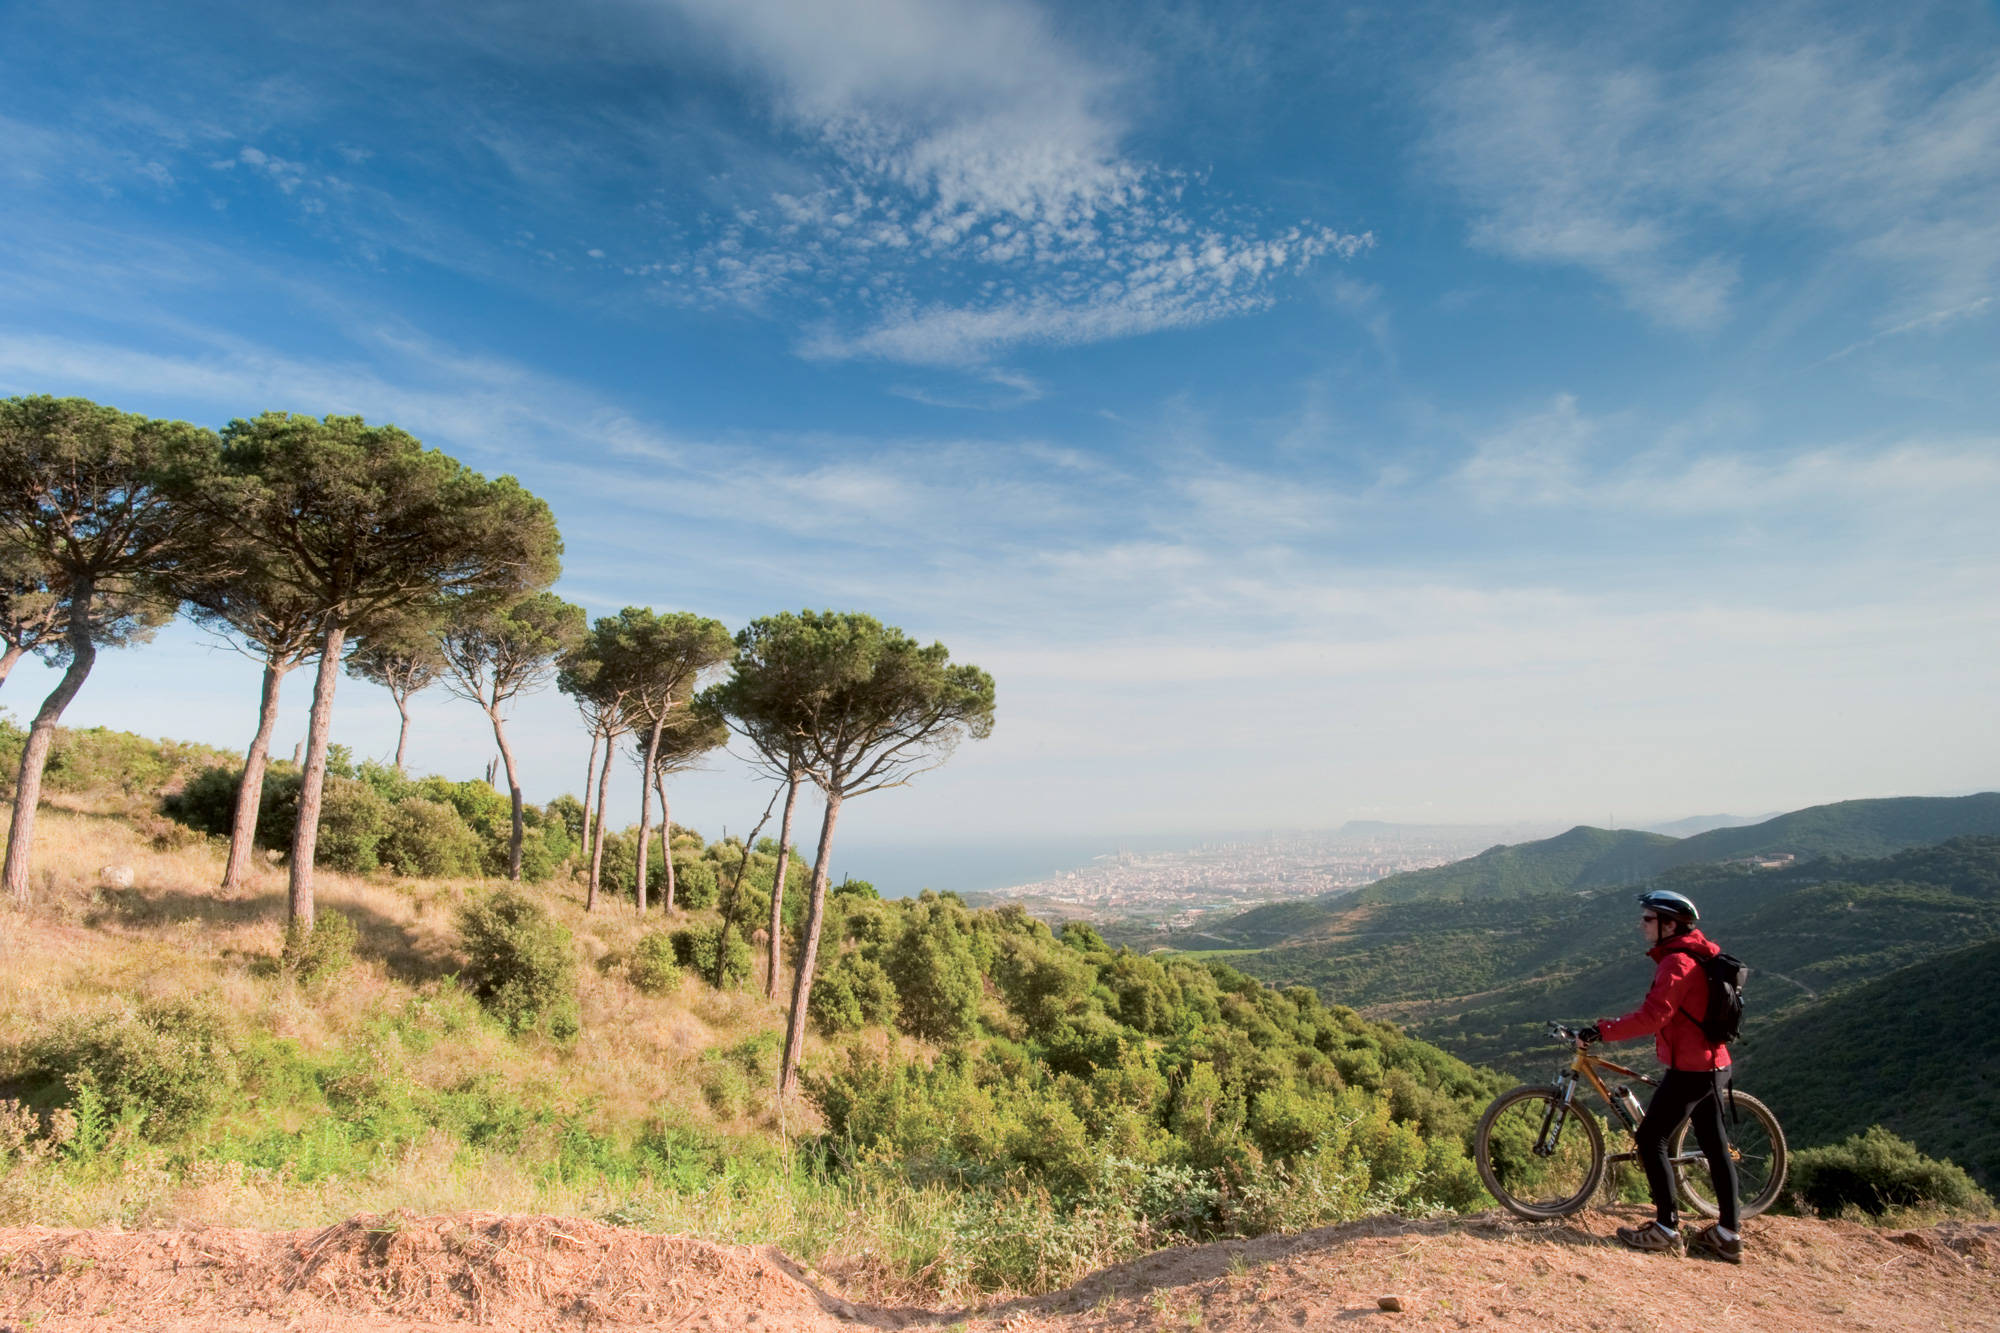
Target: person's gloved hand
{"type": "Point", "coordinates": [1589, 1034]}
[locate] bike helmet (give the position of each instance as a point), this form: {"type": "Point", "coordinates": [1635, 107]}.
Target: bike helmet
{"type": "Point", "coordinates": [1661, 902]}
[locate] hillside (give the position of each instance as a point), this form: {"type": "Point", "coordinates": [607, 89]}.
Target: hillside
{"type": "Point", "coordinates": [451, 1043]}
{"type": "Point", "coordinates": [1480, 978]}
{"type": "Point", "coordinates": [1917, 1051]}
{"type": "Point", "coordinates": [1591, 858]}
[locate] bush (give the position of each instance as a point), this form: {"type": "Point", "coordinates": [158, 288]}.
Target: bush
{"type": "Point", "coordinates": [656, 966]}
{"type": "Point", "coordinates": [694, 881]}
{"type": "Point", "coordinates": [1877, 1171]}
{"type": "Point", "coordinates": [208, 802]}
{"type": "Point", "coordinates": [694, 947]}
{"type": "Point", "coordinates": [935, 973]}
{"type": "Point", "coordinates": [167, 1063]}
{"type": "Point", "coordinates": [427, 838]}
{"type": "Point", "coordinates": [352, 819]}
{"type": "Point", "coordinates": [851, 994]}
{"type": "Point", "coordinates": [324, 951]}
{"type": "Point", "coordinates": [522, 965]}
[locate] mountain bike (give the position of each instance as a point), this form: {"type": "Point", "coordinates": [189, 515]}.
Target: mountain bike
{"type": "Point", "coordinates": [1542, 1152]}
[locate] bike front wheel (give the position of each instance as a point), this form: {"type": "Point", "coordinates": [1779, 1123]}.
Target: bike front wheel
{"type": "Point", "coordinates": [1756, 1141]}
{"type": "Point", "coordinates": [1539, 1157]}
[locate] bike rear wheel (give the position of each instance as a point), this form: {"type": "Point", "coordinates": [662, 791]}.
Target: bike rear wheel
{"type": "Point", "coordinates": [1554, 1182]}
{"type": "Point", "coordinates": [1756, 1141]}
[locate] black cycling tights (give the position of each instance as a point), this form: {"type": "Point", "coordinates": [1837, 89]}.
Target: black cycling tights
{"type": "Point", "coordinates": [1688, 1095]}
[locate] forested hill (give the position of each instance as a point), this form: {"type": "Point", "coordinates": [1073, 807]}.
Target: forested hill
{"type": "Point", "coordinates": [1917, 1051]}
{"type": "Point", "coordinates": [1588, 858]}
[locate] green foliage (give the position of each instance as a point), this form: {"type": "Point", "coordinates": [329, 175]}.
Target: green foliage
{"type": "Point", "coordinates": [521, 963]}
{"type": "Point", "coordinates": [1876, 1171]}
{"type": "Point", "coordinates": [655, 968]}
{"type": "Point", "coordinates": [695, 946]}
{"type": "Point", "coordinates": [935, 972]}
{"type": "Point", "coordinates": [324, 951]}
{"type": "Point", "coordinates": [427, 838]}
{"type": "Point", "coordinates": [165, 1064]}
{"type": "Point", "coordinates": [851, 993]}
{"type": "Point", "coordinates": [1161, 1097]}
{"type": "Point", "coordinates": [694, 881]}
{"type": "Point", "coordinates": [1917, 1051]}
{"type": "Point", "coordinates": [352, 819]}
{"type": "Point", "coordinates": [207, 803]}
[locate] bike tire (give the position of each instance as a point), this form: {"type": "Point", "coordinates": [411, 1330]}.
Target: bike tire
{"type": "Point", "coordinates": [1757, 1141]}
{"type": "Point", "coordinates": [1538, 1189]}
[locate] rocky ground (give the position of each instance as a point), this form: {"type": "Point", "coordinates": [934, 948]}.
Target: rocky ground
{"type": "Point", "coordinates": [551, 1273]}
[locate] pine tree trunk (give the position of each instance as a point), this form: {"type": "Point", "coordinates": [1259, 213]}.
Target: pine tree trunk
{"type": "Point", "coordinates": [589, 772]}
{"type": "Point", "coordinates": [402, 698]}
{"type": "Point", "coordinates": [42, 735]}
{"type": "Point", "coordinates": [666, 837]}
{"type": "Point", "coordinates": [250, 791]}
{"type": "Point", "coordinates": [774, 948]}
{"type": "Point", "coordinates": [646, 801]}
{"type": "Point", "coordinates": [514, 794]}
{"type": "Point", "coordinates": [319, 729]}
{"type": "Point", "coordinates": [603, 791]}
{"type": "Point", "coordinates": [795, 1030]}
{"type": "Point", "coordinates": [7, 660]}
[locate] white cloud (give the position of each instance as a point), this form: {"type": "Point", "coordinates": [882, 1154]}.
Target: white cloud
{"type": "Point", "coordinates": [973, 195]}
{"type": "Point", "coordinates": [1657, 178]}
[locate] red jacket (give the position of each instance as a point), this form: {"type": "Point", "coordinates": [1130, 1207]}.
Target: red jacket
{"type": "Point", "coordinates": [1674, 1007]}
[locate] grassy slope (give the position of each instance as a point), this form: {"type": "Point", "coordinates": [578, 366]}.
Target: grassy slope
{"type": "Point", "coordinates": [1917, 1051]}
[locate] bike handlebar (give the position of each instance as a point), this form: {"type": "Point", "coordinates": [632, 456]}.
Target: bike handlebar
{"type": "Point", "coordinates": [1568, 1036]}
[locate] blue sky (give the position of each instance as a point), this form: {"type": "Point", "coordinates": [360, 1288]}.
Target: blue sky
{"type": "Point", "coordinates": [1306, 412]}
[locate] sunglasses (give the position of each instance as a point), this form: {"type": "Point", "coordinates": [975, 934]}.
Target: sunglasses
{"type": "Point", "coordinates": [1647, 918]}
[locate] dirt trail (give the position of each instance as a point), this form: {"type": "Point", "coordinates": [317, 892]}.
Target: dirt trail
{"type": "Point", "coordinates": [519, 1273]}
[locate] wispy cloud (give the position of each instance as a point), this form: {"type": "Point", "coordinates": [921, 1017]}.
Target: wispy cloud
{"type": "Point", "coordinates": [1662, 178]}
{"type": "Point", "coordinates": [970, 192]}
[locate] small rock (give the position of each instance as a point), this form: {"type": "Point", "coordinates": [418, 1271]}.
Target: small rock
{"type": "Point", "coordinates": [1390, 1303]}
{"type": "Point", "coordinates": [115, 877]}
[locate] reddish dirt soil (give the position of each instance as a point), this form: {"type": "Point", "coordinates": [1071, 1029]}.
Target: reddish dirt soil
{"type": "Point", "coordinates": [519, 1273]}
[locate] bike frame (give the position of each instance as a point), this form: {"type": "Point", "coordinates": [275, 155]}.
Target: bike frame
{"type": "Point", "coordinates": [1584, 1067]}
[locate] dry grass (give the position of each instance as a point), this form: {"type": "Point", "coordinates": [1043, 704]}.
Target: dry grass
{"type": "Point", "coordinates": [84, 946]}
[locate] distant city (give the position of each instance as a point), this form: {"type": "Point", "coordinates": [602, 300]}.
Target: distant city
{"type": "Point", "coordinates": [1177, 891]}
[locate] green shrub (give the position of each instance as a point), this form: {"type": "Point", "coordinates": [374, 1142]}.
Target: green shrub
{"type": "Point", "coordinates": [694, 947]}
{"type": "Point", "coordinates": [851, 994]}
{"type": "Point", "coordinates": [208, 802]}
{"type": "Point", "coordinates": [322, 952]}
{"type": "Point", "coordinates": [427, 838]}
{"type": "Point", "coordinates": [935, 972]}
{"type": "Point", "coordinates": [352, 819]}
{"type": "Point", "coordinates": [694, 881]}
{"type": "Point", "coordinates": [521, 963]}
{"type": "Point", "coordinates": [1876, 1171]}
{"type": "Point", "coordinates": [167, 1063]}
{"type": "Point", "coordinates": [656, 966]}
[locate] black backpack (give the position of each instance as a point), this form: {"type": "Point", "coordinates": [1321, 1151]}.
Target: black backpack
{"type": "Point", "coordinates": [1723, 1023]}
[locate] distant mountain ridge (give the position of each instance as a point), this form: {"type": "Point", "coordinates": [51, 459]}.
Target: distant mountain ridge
{"type": "Point", "coordinates": [1586, 858]}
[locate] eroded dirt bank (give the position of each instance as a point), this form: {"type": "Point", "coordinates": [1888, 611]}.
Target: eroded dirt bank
{"type": "Point", "coordinates": [550, 1273]}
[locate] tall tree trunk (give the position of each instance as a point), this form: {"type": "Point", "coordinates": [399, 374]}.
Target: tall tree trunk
{"type": "Point", "coordinates": [402, 698]}
{"type": "Point", "coordinates": [35, 754]}
{"type": "Point", "coordinates": [775, 950]}
{"type": "Point", "coordinates": [319, 734]}
{"type": "Point", "coordinates": [603, 790]}
{"type": "Point", "coordinates": [666, 836]}
{"type": "Point", "coordinates": [8, 658]}
{"type": "Point", "coordinates": [589, 772]}
{"type": "Point", "coordinates": [513, 793]}
{"type": "Point", "coordinates": [250, 791]}
{"type": "Point", "coordinates": [728, 900]}
{"type": "Point", "coordinates": [646, 799]}
{"type": "Point", "coordinates": [802, 980]}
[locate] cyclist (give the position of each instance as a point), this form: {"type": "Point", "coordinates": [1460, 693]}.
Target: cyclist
{"type": "Point", "coordinates": [1691, 1089]}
